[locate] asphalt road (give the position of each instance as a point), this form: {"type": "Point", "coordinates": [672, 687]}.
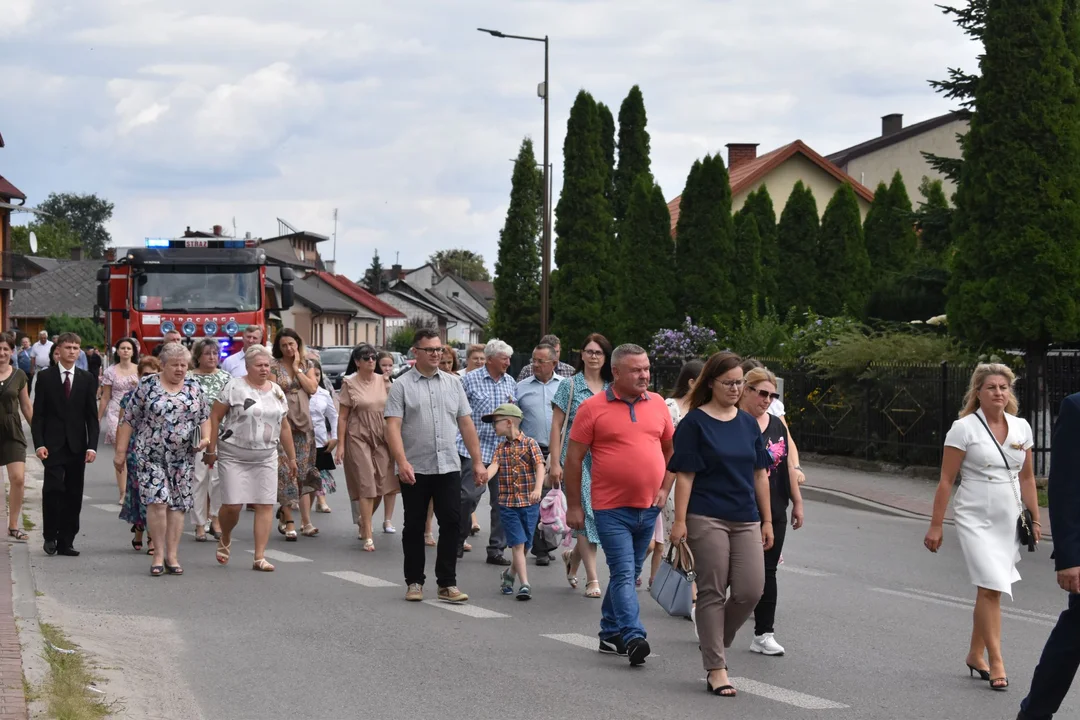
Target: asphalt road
{"type": "Point", "coordinates": [874, 626]}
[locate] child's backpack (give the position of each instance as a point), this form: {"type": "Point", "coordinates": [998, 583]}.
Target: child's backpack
{"type": "Point", "coordinates": [553, 518]}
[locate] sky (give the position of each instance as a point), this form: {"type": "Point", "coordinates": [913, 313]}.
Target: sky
{"type": "Point", "coordinates": [406, 119]}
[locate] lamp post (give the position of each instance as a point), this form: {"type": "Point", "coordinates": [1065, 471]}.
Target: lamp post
{"type": "Point", "coordinates": [545, 241]}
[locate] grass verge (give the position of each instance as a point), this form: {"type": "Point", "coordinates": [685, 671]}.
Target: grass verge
{"type": "Point", "coordinates": [1043, 502]}
{"type": "Point", "coordinates": [27, 523]}
{"type": "Point", "coordinates": [65, 691]}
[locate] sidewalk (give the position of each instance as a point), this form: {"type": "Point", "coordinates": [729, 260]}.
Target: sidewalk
{"type": "Point", "coordinates": [887, 493]}
{"type": "Point", "coordinates": [12, 694]}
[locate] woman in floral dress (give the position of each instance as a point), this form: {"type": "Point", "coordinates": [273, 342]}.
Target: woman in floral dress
{"type": "Point", "coordinates": [169, 417]}
{"type": "Point", "coordinates": [119, 379]}
{"type": "Point", "coordinates": [593, 376]}
{"type": "Point", "coordinates": [211, 378]}
{"type": "Point", "coordinates": [297, 377]}
{"type": "Point", "coordinates": [132, 509]}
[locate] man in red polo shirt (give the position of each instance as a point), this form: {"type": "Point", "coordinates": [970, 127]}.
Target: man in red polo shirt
{"type": "Point", "coordinates": [629, 431]}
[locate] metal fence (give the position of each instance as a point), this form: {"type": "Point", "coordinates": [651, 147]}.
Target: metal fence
{"type": "Point", "coordinates": [901, 412]}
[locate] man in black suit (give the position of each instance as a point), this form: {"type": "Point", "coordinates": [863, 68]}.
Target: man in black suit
{"type": "Point", "coordinates": [65, 432]}
{"type": "Point", "coordinates": [1061, 656]}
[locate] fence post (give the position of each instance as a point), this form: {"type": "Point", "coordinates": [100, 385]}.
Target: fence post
{"type": "Point", "coordinates": [944, 424]}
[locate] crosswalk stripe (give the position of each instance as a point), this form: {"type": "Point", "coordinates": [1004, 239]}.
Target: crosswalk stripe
{"type": "Point", "coordinates": [581, 641]}
{"type": "Point", "coordinates": [956, 604]}
{"type": "Point", "coordinates": [282, 556]}
{"type": "Point", "coordinates": [805, 571]}
{"type": "Point", "coordinates": [971, 603]}
{"type": "Point", "coordinates": [779, 694]}
{"type": "Point", "coordinates": [360, 579]}
{"type": "Point", "coordinates": [472, 611]}
{"type": "Point", "coordinates": [111, 507]}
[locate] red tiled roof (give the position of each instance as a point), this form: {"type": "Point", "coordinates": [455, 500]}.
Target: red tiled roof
{"type": "Point", "coordinates": [9, 191]}
{"type": "Point", "coordinates": [751, 173]}
{"type": "Point", "coordinates": [350, 289]}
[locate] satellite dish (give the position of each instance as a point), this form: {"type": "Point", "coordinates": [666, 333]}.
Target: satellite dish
{"type": "Point", "coordinates": [33, 242]}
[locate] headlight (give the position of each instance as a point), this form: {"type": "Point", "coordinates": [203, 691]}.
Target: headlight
{"type": "Point", "coordinates": [167, 327]}
{"type": "Point", "coordinates": [210, 328]}
{"type": "Point", "coordinates": [232, 328]}
{"type": "Point", "coordinates": [188, 328]}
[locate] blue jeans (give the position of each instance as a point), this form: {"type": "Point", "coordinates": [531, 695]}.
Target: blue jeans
{"type": "Point", "coordinates": [1057, 667]}
{"type": "Point", "coordinates": [625, 535]}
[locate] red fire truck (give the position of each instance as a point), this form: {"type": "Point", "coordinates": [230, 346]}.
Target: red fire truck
{"type": "Point", "coordinates": [200, 286]}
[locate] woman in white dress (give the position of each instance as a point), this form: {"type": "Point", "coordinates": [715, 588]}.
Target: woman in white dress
{"type": "Point", "coordinates": [247, 424]}
{"type": "Point", "coordinates": [987, 505]}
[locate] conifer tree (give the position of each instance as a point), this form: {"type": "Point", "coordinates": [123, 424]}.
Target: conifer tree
{"type": "Point", "coordinates": [759, 203]}
{"type": "Point", "coordinates": [797, 241]}
{"type": "Point", "coordinates": [373, 276]}
{"type": "Point", "coordinates": [647, 256]}
{"type": "Point", "coordinates": [633, 151]}
{"type": "Point", "coordinates": [843, 267]}
{"type": "Point", "coordinates": [746, 268]}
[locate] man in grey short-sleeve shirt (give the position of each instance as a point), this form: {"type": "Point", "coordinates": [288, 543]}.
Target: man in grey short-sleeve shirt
{"type": "Point", "coordinates": [425, 410]}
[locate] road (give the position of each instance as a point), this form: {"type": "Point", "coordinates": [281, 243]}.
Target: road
{"type": "Point", "coordinates": [874, 626]}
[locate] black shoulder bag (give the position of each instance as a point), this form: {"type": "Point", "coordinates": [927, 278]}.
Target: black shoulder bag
{"type": "Point", "coordinates": [1025, 524]}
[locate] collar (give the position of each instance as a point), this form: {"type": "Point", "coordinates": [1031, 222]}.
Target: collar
{"type": "Point", "coordinates": [489, 377]}
{"type": "Point", "coordinates": [553, 378]}
{"type": "Point", "coordinates": [418, 376]}
{"type": "Point", "coordinates": [613, 396]}
{"type": "Point", "coordinates": [66, 369]}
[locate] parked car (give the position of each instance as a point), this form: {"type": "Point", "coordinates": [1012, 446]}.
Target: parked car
{"type": "Point", "coordinates": [334, 361]}
{"type": "Point", "coordinates": [401, 365]}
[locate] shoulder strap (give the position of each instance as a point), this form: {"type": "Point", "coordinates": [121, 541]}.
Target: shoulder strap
{"type": "Point", "coordinates": [1004, 459]}
{"type": "Point", "coordinates": [566, 415]}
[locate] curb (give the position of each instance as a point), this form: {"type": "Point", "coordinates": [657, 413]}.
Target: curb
{"type": "Point", "coordinates": [24, 590]}
{"type": "Point", "coordinates": [854, 502]}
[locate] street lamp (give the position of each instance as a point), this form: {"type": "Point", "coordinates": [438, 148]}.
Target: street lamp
{"type": "Point", "coordinates": [545, 242]}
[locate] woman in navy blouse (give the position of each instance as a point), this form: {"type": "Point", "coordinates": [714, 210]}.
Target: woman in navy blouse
{"type": "Point", "coordinates": [723, 509]}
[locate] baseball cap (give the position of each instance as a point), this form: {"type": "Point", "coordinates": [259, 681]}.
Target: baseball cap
{"type": "Point", "coordinates": [504, 410]}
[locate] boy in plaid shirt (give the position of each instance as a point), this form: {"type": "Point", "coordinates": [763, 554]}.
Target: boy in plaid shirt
{"type": "Point", "coordinates": [518, 466]}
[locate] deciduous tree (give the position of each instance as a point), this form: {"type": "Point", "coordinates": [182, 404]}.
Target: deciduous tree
{"type": "Point", "coordinates": [86, 215]}
{"type": "Point", "coordinates": [464, 263]}
{"type": "Point", "coordinates": [55, 239]}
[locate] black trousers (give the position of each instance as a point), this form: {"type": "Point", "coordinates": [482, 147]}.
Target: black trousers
{"type": "Point", "coordinates": [444, 492]}
{"type": "Point", "coordinates": [61, 496]}
{"type": "Point", "coordinates": [765, 612]}
{"type": "Point", "coordinates": [1057, 666]}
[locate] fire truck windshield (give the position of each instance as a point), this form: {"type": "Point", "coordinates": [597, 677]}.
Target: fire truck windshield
{"type": "Point", "coordinates": [195, 289]}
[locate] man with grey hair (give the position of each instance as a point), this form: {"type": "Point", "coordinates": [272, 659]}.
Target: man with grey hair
{"type": "Point", "coordinates": [561, 368]}
{"type": "Point", "coordinates": [534, 396]}
{"type": "Point", "coordinates": [234, 364]}
{"type": "Point", "coordinates": [629, 431]}
{"type": "Point", "coordinates": [486, 388]}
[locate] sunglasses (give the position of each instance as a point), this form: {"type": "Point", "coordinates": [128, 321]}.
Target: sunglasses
{"type": "Point", "coordinates": [367, 358]}
{"type": "Point", "coordinates": [765, 394]}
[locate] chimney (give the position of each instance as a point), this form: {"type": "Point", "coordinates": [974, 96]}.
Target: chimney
{"type": "Point", "coordinates": [396, 272]}
{"type": "Point", "coordinates": [188, 233]}
{"type": "Point", "coordinates": [76, 253]}
{"type": "Point", "coordinates": [890, 124]}
{"type": "Point", "coordinates": [328, 266]}
{"type": "Point", "coordinates": [217, 231]}
{"type": "Point", "coordinates": [740, 154]}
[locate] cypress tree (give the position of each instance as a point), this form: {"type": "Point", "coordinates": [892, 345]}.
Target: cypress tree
{"type": "Point", "coordinates": [516, 315]}
{"type": "Point", "coordinates": [633, 151]}
{"type": "Point", "coordinates": [933, 219]}
{"type": "Point", "coordinates": [746, 268]}
{"type": "Point", "coordinates": [759, 203]}
{"type": "Point", "coordinates": [876, 228]}
{"type": "Point", "coordinates": [843, 265]}
{"type": "Point", "coordinates": [890, 229]}
{"type": "Point", "coordinates": [797, 242]}
{"type": "Point", "coordinates": [1017, 222]}
{"type": "Point", "coordinates": [607, 145]}
{"type": "Point", "coordinates": [705, 244]}
{"type": "Point", "coordinates": [648, 256]}
{"type": "Point", "coordinates": [583, 228]}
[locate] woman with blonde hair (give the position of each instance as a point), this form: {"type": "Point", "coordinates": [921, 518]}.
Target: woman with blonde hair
{"type": "Point", "coordinates": [211, 378]}
{"type": "Point", "coordinates": [133, 510]}
{"type": "Point", "coordinates": [991, 449]}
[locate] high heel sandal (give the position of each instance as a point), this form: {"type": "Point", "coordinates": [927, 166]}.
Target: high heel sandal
{"type": "Point", "coordinates": [223, 552]}
{"type": "Point", "coordinates": [999, 688]}
{"type": "Point", "coordinates": [983, 674]}
{"type": "Point", "coordinates": [570, 576]}
{"type": "Point", "coordinates": [369, 545]}
{"type": "Point", "coordinates": [721, 690]}
{"type": "Point", "coordinates": [136, 545]}
{"type": "Point", "coordinates": [290, 535]}
{"type": "Point", "coordinates": [593, 592]}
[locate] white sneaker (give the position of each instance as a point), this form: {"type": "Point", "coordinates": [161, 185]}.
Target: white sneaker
{"type": "Point", "coordinates": [766, 645]}
{"type": "Point", "coordinates": [693, 620]}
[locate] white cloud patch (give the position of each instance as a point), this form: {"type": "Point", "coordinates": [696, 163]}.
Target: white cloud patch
{"type": "Point", "coordinates": [405, 118]}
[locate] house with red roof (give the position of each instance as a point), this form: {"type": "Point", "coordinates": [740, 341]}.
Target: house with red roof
{"type": "Point", "coordinates": [12, 199]}
{"type": "Point", "coordinates": [779, 170]}
{"type": "Point", "coordinates": [381, 318]}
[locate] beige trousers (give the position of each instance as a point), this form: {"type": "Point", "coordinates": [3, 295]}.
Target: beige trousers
{"type": "Point", "coordinates": [730, 564]}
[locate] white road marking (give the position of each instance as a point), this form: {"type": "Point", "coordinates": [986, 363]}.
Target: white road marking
{"type": "Point", "coordinates": [961, 605]}
{"type": "Point", "coordinates": [282, 556]}
{"type": "Point", "coordinates": [87, 497]}
{"type": "Point", "coordinates": [111, 507]}
{"type": "Point", "coordinates": [359, 579]}
{"type": "Point", "coordinates": [805, 571]}
{"type": "Point", "coordinates": [581, 641]}
{"type": "Point", "coordinates": [472, 611]}
{"type": "Point", "coordinates": [779, 694]}
{"type": "Point", "coordinates": [971, 603]}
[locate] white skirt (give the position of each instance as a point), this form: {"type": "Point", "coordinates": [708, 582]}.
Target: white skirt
{"type": "Point", "coordinates": [247, 476]}
{"type": "Point", "coordinates": [986, 516]}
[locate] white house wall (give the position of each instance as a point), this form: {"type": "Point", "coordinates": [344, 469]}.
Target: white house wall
{"type": "Point", "coordinates": [906, 156]}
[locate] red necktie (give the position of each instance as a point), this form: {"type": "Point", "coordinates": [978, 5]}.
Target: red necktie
{"type": "Point", "coordinates": [67, 385]}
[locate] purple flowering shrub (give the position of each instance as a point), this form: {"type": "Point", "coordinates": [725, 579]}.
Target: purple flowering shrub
{"type": "Point", "coordinates": [682, 343]}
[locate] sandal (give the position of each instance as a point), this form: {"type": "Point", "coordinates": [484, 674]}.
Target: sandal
{"type": "Point", "coordinates": [149, 546]}
{"type": "Point", "coordinates": [136, 545]}
{"type": "Point", "coordinates": [466, 547]}
{"type": "Point", "coordinates": [200, 538]}
{"type": "Point", "coordinates": [593, 592]}
{"type": "Point", "coordinates": [290, 535]}
{"type": "Point", "coordinates": [570, 577]}
{"type": "Point", "coordinates": [429, 539]}
{"type": "Point", "coordinates": [174, 569]}
{"type": "Point", "coordinates": [474, 529]}
{"type": "Point", "coordinates": [309, 530]}
{"type": "Point", "coordinates": [261, 565]}
{"type": "Point", "coordinates": [223, 552]}
{"type": "Point", "coordinates": [369, 545]}
{"type": "Point", "coordinates": [324, 508]}
{"type": "Point", "coordinates": [157, 570]}
{"type": "Point", "coordinates": [17, 534]}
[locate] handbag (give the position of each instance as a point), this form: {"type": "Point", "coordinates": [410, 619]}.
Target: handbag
{"type": "Point", "coordinates": [324, 459]}
{"type": "Point", "coordinates": [672, 587]}
{"type": "Point", "coordinates": [1025, 524]}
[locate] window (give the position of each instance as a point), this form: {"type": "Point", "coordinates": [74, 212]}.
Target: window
{"type": "Point", "coordinates": [193, 289]}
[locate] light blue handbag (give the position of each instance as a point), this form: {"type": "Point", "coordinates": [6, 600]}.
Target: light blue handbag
{"type": "Point", "coordinates": [672, 587]}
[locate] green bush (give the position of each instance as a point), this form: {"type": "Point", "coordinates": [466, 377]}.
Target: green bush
{"type": "Point", "coordinates": [759, 333]}
{"type": "Point", "coordinates": [92, 333]}
{"type": "Point", "coordinates": [853, 351]}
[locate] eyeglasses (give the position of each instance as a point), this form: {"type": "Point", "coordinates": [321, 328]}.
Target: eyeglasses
{"type": "Point", "coordinates": [538, 361]}
{"type": "Point", "coordinates": [429, 351]}
{"type": "Point", "coordinates": [368, 358]}
{"type": "Point", "coordinates": [593, 353]}
{"type": "Point", "coordinates": [732, 384]}
{"type": "Point", "coordinates": [765, 393]}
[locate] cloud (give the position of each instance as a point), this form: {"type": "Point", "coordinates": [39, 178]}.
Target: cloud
{"type": "Point", "coordinates": [404, 118]}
